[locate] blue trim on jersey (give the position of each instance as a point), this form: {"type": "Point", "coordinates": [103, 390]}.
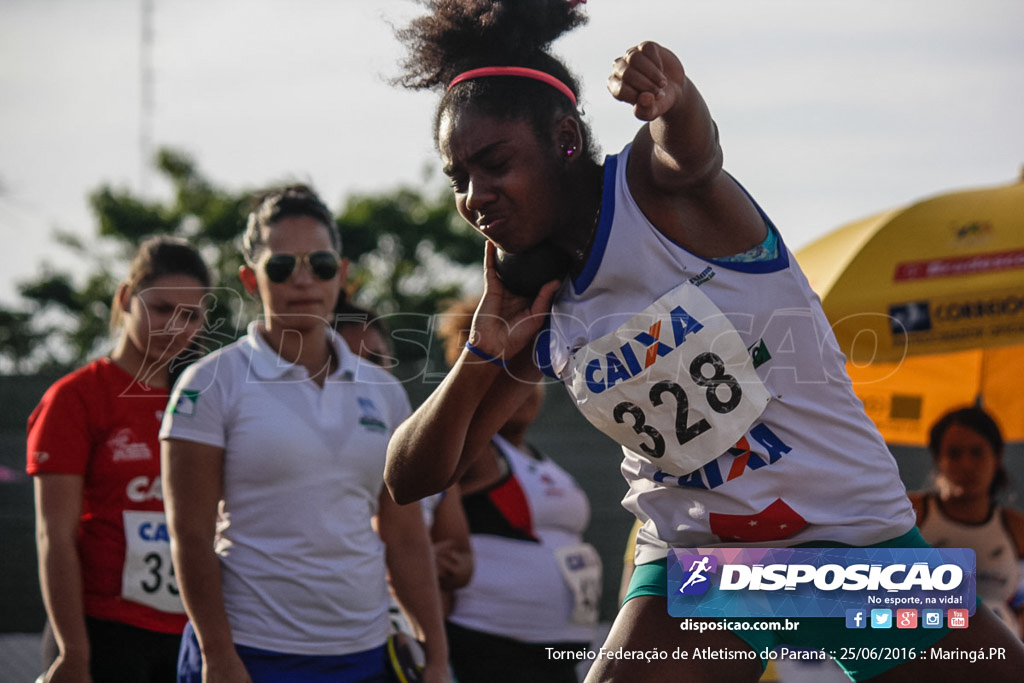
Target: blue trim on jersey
{"type": "Point", "coordinates": [604, 227]}
{"type": "Point", "coordinates": [583, 280]}
{"type": "Point", "coordinates": [780, 262]}
{"type": "Point", "coordinates": [543, 353]}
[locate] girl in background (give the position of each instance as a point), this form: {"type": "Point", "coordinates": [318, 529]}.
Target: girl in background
{"type": "Point", "coordinates": [104, 559]}
{"type": "Point", "coordinates": [962, 510]}
{"type": "Point", "coordinates": [537, 585]}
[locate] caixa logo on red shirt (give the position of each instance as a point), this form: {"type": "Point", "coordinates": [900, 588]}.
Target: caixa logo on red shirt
{"type": "Point", "coordinates": [143, 489]}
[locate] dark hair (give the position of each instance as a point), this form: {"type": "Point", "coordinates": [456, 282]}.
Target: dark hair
{"type": "Point", "coordinates": [347, 314]}
{"type": "Point", "coordinates": [274, 204]}
{"type": "Point", "coordinates": [351, 318]}
{"type": "Point", "coordinates": [980, 422]}
{"type": "Point", "coordinates": [458, 36]}
{"type": "Point", "coordinates": [158, 257]}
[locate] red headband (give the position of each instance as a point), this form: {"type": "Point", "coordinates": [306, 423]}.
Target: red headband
{"type": "Point", "coordinates": [514, 71]}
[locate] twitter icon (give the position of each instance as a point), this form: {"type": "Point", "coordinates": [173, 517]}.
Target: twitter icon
{"type": "Point", "coordinates": [881, 618]}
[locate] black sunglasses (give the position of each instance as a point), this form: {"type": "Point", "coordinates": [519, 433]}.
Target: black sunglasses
{"type": "Point", "coordinates": [323, 264]}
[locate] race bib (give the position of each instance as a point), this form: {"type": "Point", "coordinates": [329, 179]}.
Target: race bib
{"type": "Point", "coordinates": [675, 384]}
{"type": "Point", "coordinates": [581, 568]}
{"type": "Point", "coordinates": [148, 576]}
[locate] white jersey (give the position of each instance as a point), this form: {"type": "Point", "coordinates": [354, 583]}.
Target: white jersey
{"type": "Point", "coordinates": [302, 569]}
{"type": "Point", "coordinates": [535, 581]}
{"type": "Point", "coordinates": [999, 572]}
{"type": "Point", "coordinates": [726, 388]}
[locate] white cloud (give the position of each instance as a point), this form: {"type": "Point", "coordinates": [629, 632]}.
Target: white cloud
{"type": "Point", "coordinates": [829, 109]}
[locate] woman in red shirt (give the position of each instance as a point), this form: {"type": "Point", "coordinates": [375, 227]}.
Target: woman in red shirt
{"type": "Point", "coordinates": [104, 557]}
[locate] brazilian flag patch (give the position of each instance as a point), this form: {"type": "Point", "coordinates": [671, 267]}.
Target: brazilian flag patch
{"type": "Point", "coordinates": [759, 353]}
{"type": "Point", "coordinates": [186, 403]}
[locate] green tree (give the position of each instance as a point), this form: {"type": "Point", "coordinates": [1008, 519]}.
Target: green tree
{"type": "Point", "coordinates": [409, 252]}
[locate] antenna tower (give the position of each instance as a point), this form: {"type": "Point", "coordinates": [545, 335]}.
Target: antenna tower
{"type": "Point", "coordinates": [146, 100]}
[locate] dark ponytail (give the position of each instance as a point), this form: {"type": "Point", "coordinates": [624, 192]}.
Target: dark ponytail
{"type": "Point", "coordinates": [455, 37]}
{"type": "Point", "coordinates": [458, 36]}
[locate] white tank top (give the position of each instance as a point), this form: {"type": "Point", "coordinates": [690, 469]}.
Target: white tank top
{"type": "Point", "coordinates": [727, 390]}
{"type": "Point", "coordinates": [520, 588]}
{"type": "Point", "coordinates": [997, 563]}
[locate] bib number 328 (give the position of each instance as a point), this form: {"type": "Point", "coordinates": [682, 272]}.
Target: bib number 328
{"type": "Point", "coordinates": [630, 413]}
{"type": "Point", "coordinates": [674, 384]}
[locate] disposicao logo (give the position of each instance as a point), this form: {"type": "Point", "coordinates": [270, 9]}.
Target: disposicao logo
{"type": "Point", "coordinates": [697, 582]}
{"type": "Point", "coordinates": [819, 582]}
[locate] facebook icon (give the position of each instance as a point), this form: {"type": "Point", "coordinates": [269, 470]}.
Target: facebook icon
{"type": "Point", "coordinates": [856, 618]}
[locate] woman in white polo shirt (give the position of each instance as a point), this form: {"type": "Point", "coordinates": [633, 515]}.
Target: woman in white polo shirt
{"type": "Point", "coordinates": [274, 455]}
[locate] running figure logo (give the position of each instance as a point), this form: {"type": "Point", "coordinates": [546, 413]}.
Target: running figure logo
{"type": "Point", "coordinates": [697, 567]}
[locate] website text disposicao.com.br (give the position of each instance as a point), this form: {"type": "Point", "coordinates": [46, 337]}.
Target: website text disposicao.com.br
{"type": "Point", "coordinates": [702, 625]}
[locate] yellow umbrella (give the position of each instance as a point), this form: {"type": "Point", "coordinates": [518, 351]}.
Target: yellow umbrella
{"type": "Point", "coordinates": [927, 302]}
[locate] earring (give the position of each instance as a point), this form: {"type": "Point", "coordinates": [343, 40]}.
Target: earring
{"type": "Point", "coordinates": [569, 151]}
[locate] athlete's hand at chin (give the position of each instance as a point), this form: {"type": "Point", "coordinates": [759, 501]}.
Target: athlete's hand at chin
{"type": "Point", "coordinates": [505, 323]}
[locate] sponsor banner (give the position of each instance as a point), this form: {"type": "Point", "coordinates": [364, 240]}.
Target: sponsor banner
{"type": "Point", "coordinates": [998, 317]}
{"type": "Point", "coordinates": [957, 266]}
{"type": "Point", "coordinates": [817, 582]}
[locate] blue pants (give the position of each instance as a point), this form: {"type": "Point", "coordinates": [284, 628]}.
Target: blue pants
{"type": "Point", "coordinates": [265, 666]}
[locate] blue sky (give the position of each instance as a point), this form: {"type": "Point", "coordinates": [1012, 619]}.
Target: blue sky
{"type": "Point", "coordinates": [829, 110]}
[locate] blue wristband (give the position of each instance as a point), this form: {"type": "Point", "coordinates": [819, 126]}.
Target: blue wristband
{"type": "Point", "coordinates": [486, 356]}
